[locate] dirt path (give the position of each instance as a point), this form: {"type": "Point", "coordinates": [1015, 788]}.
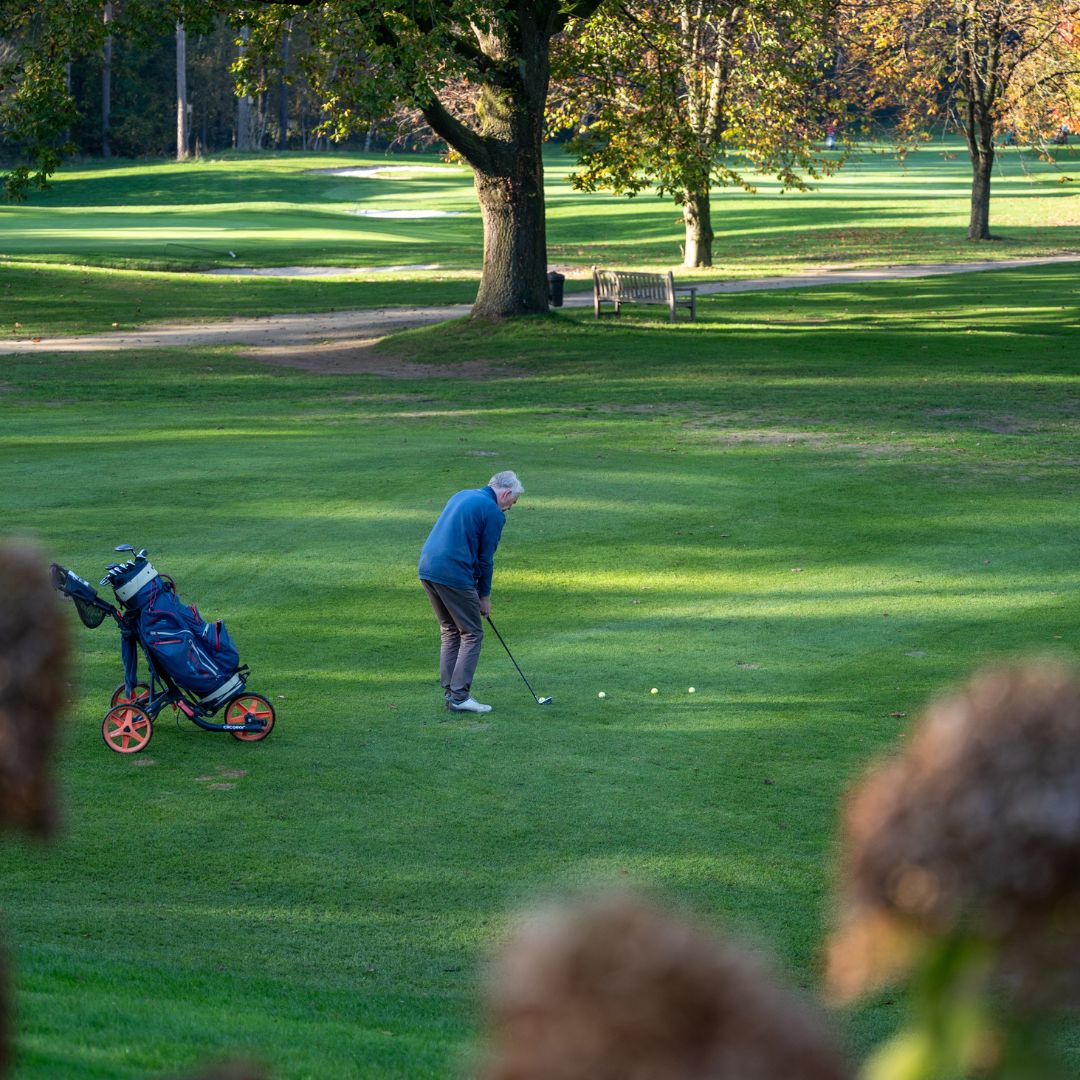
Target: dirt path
{"type": "Point", "coordinates": [338, 342]}
{"type": "Point", "coordinates": [263, 331]}
{"type": "Point", "coordinates": [839, 275]}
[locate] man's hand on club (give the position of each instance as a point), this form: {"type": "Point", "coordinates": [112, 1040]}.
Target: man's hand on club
{"type": "Point", "coordinates": [485, 606]}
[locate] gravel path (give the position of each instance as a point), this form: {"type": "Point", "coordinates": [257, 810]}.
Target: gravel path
{"type": "Point", "coordinates": [277, 337]}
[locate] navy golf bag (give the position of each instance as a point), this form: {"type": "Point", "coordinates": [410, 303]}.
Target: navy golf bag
{"type": "Point", "coordinates": [193, 665]}
{"type": "Point", "coordinates": [198, 656]}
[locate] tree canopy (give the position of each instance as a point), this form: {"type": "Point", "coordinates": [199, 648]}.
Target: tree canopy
{"type": "Point", "coordinates": [990, 68]}
{"type": "Point", "coordinates": [685, 95]}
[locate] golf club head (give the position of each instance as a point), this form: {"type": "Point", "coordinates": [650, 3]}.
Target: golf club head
{"type": "Point", "coordinates": [543, 701]}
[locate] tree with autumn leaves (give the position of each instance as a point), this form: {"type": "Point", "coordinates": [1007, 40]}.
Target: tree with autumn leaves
{"type": "Point", "coordinates": [477, 71]}
{"type": "Point", "coordinates": [683, 96]}
{"type": "Point", "coordinates": [985, 67]}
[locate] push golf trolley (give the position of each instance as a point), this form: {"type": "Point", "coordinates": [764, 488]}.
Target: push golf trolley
{"type": "Point", "coordinates": [193, 665]}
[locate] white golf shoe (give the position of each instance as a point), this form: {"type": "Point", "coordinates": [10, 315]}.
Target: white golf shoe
{"type": "Point", "coordinates": [468, 705]}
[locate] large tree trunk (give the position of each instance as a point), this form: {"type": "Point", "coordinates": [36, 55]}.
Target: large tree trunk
{"type": "Point", "coordinates": [697, 217]}
{"type": "Point", "coordinates": [514, 279]}
{"type": "Point", "coordinates": [979, 131]}
{"type": "Point", "coordinates": [106, 83]}
{"type": "Point", "coordinates": [509, 172]}
{"type": "Point", "coordinates": [982, 166]}
{"type": "Point", "coordinates": [978, 124]}
{"type": "Point", "coordinates": [509, 180]}
{"type": "Point", "coordinates": [181, 94]}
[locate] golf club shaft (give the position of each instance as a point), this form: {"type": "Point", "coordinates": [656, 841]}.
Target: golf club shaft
{"type": "Point", "coordinates": [511, 655]}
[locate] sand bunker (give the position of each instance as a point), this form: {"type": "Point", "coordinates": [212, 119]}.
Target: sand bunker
{"type": "Point", "coordinates": [406, 213]}
{"type": "Point", "coordinates": [367, 173]}
{"type": "Point", "coordinates": [317, 271]}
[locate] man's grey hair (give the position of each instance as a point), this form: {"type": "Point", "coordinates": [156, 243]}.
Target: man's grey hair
{"type": "Point", "coordinates": [506, 481]}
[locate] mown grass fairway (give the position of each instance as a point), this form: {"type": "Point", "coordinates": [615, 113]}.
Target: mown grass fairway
{"type": "Point", "coordinates": [817, 507]}
{"type": "Point", "coordinates": [280, 211]}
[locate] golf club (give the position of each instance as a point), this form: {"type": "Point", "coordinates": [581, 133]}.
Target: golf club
{"type": "Point", "coordinates": [539, 700]}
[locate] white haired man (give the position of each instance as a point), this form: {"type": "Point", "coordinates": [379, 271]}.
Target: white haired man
{"type": "Point", "coordinates": [456, 563]}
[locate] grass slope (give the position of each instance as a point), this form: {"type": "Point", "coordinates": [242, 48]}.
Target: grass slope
{"type": "Point", "coordinates": [817, 508]}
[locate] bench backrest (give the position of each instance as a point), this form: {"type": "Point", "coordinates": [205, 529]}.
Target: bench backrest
{"type": "Point", "coordinates": [632, 285]}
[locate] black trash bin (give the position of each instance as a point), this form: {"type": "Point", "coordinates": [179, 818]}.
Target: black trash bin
{"type": "Point", "coordinates": [555, 288]}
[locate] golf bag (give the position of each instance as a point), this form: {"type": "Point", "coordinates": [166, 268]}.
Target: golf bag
{"type": "Point", "coordinates": [198, 656]}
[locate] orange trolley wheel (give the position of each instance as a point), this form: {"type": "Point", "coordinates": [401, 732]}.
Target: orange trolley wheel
{"type": "Point", "coordinates": [248, 707]}
{"type": "Point", "coordinates": [140, 696]}
{"type": "Point", "coordinates": [127, 728]}
{"type": "Point", "coordinates": [140, 692]}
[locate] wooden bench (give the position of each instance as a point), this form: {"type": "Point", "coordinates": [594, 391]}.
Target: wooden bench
{"type": "Point", "coordinates": [620, 287]}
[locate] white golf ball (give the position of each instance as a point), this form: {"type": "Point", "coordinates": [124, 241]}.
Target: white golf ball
{"type": "Point", "coordinates": [601, 694]}
{"type": "Point", "coordinates": [690, 690]}
{"type": "Point", "coordinates": [654, 691]}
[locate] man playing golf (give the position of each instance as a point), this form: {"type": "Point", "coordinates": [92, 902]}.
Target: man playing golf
{"type": "Point", "coordinates": [456, 563]}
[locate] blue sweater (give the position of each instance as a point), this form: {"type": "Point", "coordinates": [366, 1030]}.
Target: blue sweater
{"type": "Point", "coordinates": [460, 550]}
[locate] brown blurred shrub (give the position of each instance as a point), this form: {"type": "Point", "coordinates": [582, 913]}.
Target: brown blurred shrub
{"type": "Point", "coordinates": [973, 833]}
{"type": "Point", "coordinates": [233, 1071]}
{"type": "Point", "coordinates": [33, 672]}
{"type": "Point", "coordinates": [33, 687]}
{"type": "Point", "coordinates": [614, 989]}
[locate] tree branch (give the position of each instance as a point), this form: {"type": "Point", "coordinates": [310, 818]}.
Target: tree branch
{"type": "Point", "coordinates": [477, 150]}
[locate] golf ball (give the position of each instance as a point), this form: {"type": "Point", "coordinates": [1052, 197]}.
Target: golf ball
{"type": "Point", "coordinates": [689, 689]}
{"type": "Point", "coordinates": [654, 691]}
{"type": "Point", "coordinates": [601, 694]}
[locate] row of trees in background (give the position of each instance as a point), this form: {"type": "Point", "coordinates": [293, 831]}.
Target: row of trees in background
{"type": "Point", "coordinates": [678, 95]}
{"type": "Point", "coordinates": [129, 104]}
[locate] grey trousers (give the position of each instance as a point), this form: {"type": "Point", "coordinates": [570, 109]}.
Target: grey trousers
{"type": "Point", "coordinates": [458, 612]}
